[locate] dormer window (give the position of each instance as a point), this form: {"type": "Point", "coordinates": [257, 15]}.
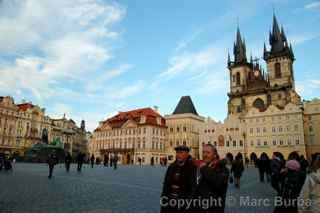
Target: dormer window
{"type": "Point", "coordinates": [143, 119]}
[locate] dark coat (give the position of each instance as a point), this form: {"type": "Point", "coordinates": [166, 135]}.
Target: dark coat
{"type": "Point", "coordinates": [213, 184]}
{"type": "Point", "coordinates": [237, 168]}
{"type": "Point", "coordinates": [52, 160]}
{"type": "Point", "coordinates": [179, 183]}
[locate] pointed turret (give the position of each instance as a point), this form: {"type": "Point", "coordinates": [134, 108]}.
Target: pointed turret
{"type": "Point", "coordinates": [239, 49]}
{"type": "Point", "coordinates": [277, 41]}
{"type": "Point", "coordinates": [229, 60]}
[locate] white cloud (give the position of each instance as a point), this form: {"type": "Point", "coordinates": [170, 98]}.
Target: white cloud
{"type": "Point", "coordinates": [190, 62]}
{"type": "Point", "coordinates": [299, 39]}
{"type": "Point", "coordinates": [313, 6]}
{"type": "Point", "coordinates": [50, 42]}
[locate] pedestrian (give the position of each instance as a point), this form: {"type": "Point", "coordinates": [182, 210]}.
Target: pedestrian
{"type": "Point", "coordinates": [92, 160]}
{"type": "Point", "coordinates": [276, 166]}
{"type": "Point", "coordinates": [152, 161]}
{"type": "Point", "coordinates": [111, 161]}
{"type": "Point", "coordinates": [237, 170]}
{"type": "Point", "coordinates": [290, 189]}
{"type": "Point", "coordinates": [213, 182]}
{"type": "Point", "coordinates": [247, 162]}
{"type": "Point", "coordinates": [115, 161]}
{"type": "Point", "coordinates": [310, 192]}
{"type": "Point", "coordinates": [52, 161]}
{"type": "Point", "coordinates": [80, 160]}
{"type": "Point", "coordinates": [106, 160]}
{"type": "Point", "coordinates": [67, 161]}
{"type": "Point", "coordinates": [264, 167]}
{"type": "Point", "coordinates": [140, 161]}
{"type": "Point", "coordinates": [179, 183]}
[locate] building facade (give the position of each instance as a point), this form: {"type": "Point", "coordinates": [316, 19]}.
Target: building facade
{"type": "Point", "coordinates": [23, 125]}
{"type": "Point", "coordinates": [274, 130]}
{"type": "Point", "coordinates": [132, 135]}
{"type": "Point", "coordinates": [312, 126]}
{"type": "Point", "coordinates": [184, 128]}
{"type": "Point", "coordinates": [228, 137]}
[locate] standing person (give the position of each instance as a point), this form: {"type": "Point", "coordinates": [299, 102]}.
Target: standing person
{"type": "Point", "coordinates": [237, 170]}
{"type": "Point", "coordinates": [264, 167]}
{"type": "Point", "coordinates": [179, 182]}
{"type": "Point", "coordinates": [80, 159]}
{"type": "Point", "coordinates": [92, 160]}
{"type": "Point", "coordinates": [106, 160]}
{"type": "Point", "coordinates": [213, 183]}
{"type": "Point", "coordinates": [290, 189]}
{"type": "Point", "coordinates": [52, 161]}
{"type": "Point", "coordinates": [115, 161]}
{"type": "Point", "coordinates": [152, 161]}
{"type": "Point", "coordinates": [140, 161]}
{"type": "Point", "coordinates": [67, 161]}
{"type": "Point", "coordinates": [276, 166]}
{"type": "Point", "coordinates": [311, 188]}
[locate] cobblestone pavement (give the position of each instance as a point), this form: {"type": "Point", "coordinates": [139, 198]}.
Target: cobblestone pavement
{"type": "Point", "coordinates": [103, 190]}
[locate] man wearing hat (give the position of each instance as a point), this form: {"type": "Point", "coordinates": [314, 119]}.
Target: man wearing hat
{"type": "Point", "coordinates": [179, 183]}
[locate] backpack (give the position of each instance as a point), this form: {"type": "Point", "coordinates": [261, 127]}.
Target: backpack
{"type": "Point", "coordinates": [291, 185]}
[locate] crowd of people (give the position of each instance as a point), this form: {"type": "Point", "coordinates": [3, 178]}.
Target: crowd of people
{"type": "Point", "coordinates": [295, 181]}
{"type": "Point", "coordinates": [200, 186]}
{"type": "Point", "coordinates": [80, 160]}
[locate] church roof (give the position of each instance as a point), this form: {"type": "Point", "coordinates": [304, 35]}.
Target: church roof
{"type": "Point", "coordinates": [185, 105]}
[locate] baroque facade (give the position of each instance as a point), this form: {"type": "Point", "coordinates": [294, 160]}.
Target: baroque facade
{"type": "Point", "coordinates": [23, 125]}
{"type": "Point", "coordinates": [132, 135]}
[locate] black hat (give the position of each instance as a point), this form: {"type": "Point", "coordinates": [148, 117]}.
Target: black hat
{"type": "Point", "coordinates": [182, 148]}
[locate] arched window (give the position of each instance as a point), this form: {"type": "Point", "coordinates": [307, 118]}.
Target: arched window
{"type": "Point", "coordinates": [258, 103]}
{"type": "Point", "coordinates": [277, 68]}
{"type": "Point", "coordinates": [238, 78]}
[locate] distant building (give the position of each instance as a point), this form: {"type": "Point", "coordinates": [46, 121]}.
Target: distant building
{"type": "Point", "coordinates": [228, 137]}
{"type": "Point", "coordinates": [132, 135]}
{"type": "Point", "coordinates": [312, 126]}
{"type": "Point", "coordinates": [23, 125]}
{"type": "Point", "coordinates": [184, 128]}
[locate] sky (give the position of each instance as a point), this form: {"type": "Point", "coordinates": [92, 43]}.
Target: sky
{"type": "Point", "coordinates": [90, 59]}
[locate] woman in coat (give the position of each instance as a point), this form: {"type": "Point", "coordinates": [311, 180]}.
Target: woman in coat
{"type": "Point", "coordinates": [310, 192]}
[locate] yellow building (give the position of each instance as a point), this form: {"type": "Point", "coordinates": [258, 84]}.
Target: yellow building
{"type": "Point", "coordinates": [132, 135]}
{"type": "Point", "coordinates": [23, 125]}
{"type": "Point", "coordinates": [184, 128]}
{"type": "Point", "coordinates": [275, 130]}
{"type": "Point", "coordinates": [312, 126]}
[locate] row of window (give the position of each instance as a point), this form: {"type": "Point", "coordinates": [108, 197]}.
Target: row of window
{"type": "Point", "coordinates": [276, 142]}
{"type": "Point", "coordinates": [279, 129]}
{"type": "Point", "coordinates": [128, 145]}
{"type": "Point", "coordinates": [131, 131]}
{"type": "Point", "coordinates": [273, 118]}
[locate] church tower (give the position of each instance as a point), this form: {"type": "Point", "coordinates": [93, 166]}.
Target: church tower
{"type": "Point", "coordinates": [279, 59]}
{"type": "Point", "coordinates": [239, 70]}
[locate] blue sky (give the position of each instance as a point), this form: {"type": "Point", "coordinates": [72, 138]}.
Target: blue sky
{"type": "Point", "coordinates": [93, 58]}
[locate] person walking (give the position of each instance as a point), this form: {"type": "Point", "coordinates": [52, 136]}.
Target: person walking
{"type": "Point", "coordinates": [106, 160]}
{"type": "Point", "coordinates": [213, 182]}
{"type": "Point", "coordinates": [264, 167]}
{"type": "Point", "coordinates": [276, 166]}
{"type": "Point", "coordinates": [290, 189]}
{"type": "Point", "coordinates": [92, 160]}
{"type": "Point", "coordinates": [80, 160]}
{"type": "Point", "coordinates": [310, 192]}
{"type": "Point", "coordinates": [179, 183]}
{"type": "Point", "coordinates": [67, 161]}
{"type": "Point", "coordinates": [52, 161]}
{"type": "Point", "coordinates": [237, 170]}
{"type": "Point", "coordinates": [115, 161]}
